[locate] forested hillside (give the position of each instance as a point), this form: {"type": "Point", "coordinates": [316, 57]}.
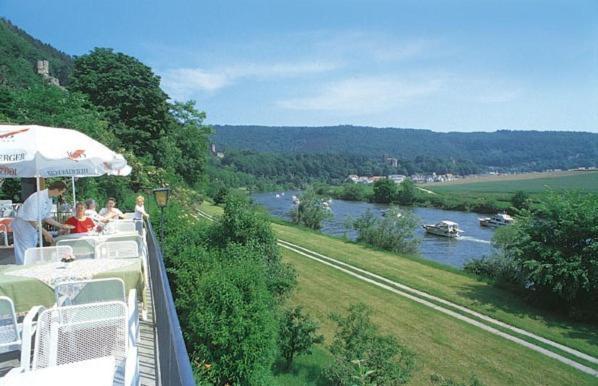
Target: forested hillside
{"type": "Point", "coordinates": [19, 53]}
{"type": "Point", "coordinates": [513, 150]}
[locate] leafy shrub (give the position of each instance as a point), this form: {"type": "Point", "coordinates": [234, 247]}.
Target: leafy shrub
{"type": "Point", "coordinates": [310, 211]}
{"type": "Point", "coordinates": [362, 356]}
{"type": "Point", "coordinates": [394, 232]}
{"type": "Point", "coordinates": [297, 334]}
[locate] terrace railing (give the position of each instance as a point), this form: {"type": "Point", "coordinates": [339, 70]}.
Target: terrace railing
{"type": "Point", "coordinates": [174, 367]}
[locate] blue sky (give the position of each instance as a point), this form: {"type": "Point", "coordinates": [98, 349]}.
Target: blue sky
{"type": "Point", "coordinates": [439, 65]}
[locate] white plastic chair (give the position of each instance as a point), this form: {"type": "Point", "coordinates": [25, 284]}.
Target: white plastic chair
{"type": "Point", "coordinates": [9, 330]}
{"type": "Point", "coordinates": [118, 226]}
{"type": "Point", "coordinates": [83, 247]}
{"type": "Point", "coordinates": [98, 291]}
{"type": "Point", "coordinates": [6, 208]}
{"type": "Point", "coordinates": [89, 291]}
{"type": "Point", "coordinates": [118, 249]}
{"type": "Point", "coordinates": [4, 230]}
{"type": "Point", "coordinates": [72, 334]}
{"type": "Point", "coordinates": [10, 337]}
{"type": "Point", "coordinates": [46, 254]}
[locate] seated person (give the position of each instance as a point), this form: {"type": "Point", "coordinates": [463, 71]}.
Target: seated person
{"type": "Point", "coordinates": [92, 212]}
{"type": "Point", "coordinates": [111, 212]}
{"type": "Point", "coordinates": [80, 221]}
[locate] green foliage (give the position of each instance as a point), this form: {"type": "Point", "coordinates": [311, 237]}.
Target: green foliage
{"type": "Point", "coordinates": [19, 53]}
{"type": "Point", "coordinates": [362, 356]}
{"type": "Point", "coordinates": [311, 210]}
{"type": "Point", "coordinates": [385, 191]}
{"type": "Point", "coordinates": [191, 139]}
{"type": "Point", "coordinates": [228, 319]}
{"type": "Point", "coordinates": [242, 225]}
{"type": "Point", "coordinates": [297, 334]}
{"type": "Point", "coordinates": [129, 94]}
{"type": "Point", "coordinates": [394, 232]}
{"type": "Point", "coordinates": [354, 192]}
{"type": "Point", "coordinates": [424, 150]}
{"type": "Point", "coordinates": [408, 193]}
{"type": "Point", "coordinates": [520, 200]}
{"type": "Point", "coordinates": [554, 252]}
{"type": "Point", "coordinates": [220, 196]}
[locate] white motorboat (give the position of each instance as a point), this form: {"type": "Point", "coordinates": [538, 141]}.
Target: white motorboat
{"type": "Point", "coordinates": [444, 229]}
{"type": "Point", "coordinates": [499, 219]}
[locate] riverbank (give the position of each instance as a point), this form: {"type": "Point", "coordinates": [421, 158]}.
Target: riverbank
{"type": "Point", "coordinates": [443, 346]}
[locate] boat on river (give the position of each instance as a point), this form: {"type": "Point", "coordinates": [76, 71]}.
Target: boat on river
{"type": "Point", "coordinates": [444, 228]}
{"type": "Point", "coordinates": [499, 219]}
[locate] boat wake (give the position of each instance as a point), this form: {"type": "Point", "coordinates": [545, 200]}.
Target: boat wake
{"type": "Point", "coordinates": [469, 238]}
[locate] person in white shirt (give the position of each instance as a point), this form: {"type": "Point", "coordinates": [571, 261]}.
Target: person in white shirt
{"type": "Point", "coordinates": [36, 208]}
{"type": "Point", "coordinates": [140, 212]}
{"type": "Point", "coordinates": [91, 212]}
{"type": "Point", "coordinates": [111, 212]}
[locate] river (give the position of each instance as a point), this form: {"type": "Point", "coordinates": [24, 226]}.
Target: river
{"type": "Point", "coordinates": [474, 243]}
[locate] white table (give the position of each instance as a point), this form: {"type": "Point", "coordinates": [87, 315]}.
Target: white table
{"type": "Point", "coordinates": [93, 372]}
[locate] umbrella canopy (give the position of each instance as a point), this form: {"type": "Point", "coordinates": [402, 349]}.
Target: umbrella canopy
{"type": "Point", "coordinates": [38, 151]}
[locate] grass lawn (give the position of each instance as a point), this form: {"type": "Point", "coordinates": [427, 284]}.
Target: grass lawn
{"type": "Point", "coordinates": [441, 343]}
{"type": "Point", "coordinates": [586, 181]}
{"type": "Point", "coordinates": [306, 369]}
{"type": "Point", "coordinates": [445, 282]}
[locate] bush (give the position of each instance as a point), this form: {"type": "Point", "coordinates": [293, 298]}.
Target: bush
{"type": "Point", "coordinates": [229, 320]}
{"type": "Point", "coordinates": [385, 191]}
{"type": "Point", "coordinates": [555, 252]}
{"type": "Point", "coordinates": [310, 211]}
{"type": "Point", "coordinates": [395, 232]}
{"type": "Point", "coordinates": [362, 356]}
{"type": "Point", "coordinates": [297, 334]}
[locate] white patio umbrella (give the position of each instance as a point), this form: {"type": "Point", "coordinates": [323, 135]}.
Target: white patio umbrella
{"type": "Point", "coordinates": [38, 151]}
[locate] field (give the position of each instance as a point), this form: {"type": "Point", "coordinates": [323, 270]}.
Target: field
{"type": "Point", "coordinates": [530, 183]}
{"type": "Point", "coordinates": [443, 345]}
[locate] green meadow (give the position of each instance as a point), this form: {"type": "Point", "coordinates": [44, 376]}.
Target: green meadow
{"type": "Point", "coordinates": [585, 181]}
{"type": "Point", "coordinates": [442, 344]}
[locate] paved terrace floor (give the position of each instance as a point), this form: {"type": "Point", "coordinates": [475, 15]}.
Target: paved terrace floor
{"type": "Point", "coordinates": [146, 346]}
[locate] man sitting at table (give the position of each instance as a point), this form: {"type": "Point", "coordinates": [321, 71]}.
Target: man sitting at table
{"type": "Point", "coordinates": [111, 212]}
{"type": "Point", "coordinates": [80, 221]}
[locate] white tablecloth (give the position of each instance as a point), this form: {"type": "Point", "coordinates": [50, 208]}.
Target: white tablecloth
{"type": "Point", "coordinates": [93, 372]}
{"type": "Point", "coordinates": [58, 272]}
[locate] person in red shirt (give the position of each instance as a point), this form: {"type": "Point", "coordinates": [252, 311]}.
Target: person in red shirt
{"type": "Point", "coordinates": [80, 221]}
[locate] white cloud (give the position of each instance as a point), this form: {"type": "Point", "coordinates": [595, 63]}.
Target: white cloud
{"type": "Point", "coordinates": [183, 82]}
{"type": "Point", "coordinates": [364, 95]}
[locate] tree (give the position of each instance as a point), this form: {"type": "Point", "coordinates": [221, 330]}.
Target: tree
{"type": "Point", "coordinates": [297, 334]}
{"type": "Point", "coordinates": [408, 193]}
{"type": "Point", "coordinates": [394, 232]}
{"type": "Point", "coordinates": [129, 93]}
{"type": "Point", "coordinates": [191, 138]}
{"type": "Point", "coordinates": [228, 318]}
{"type": "Point", "coordinates": [520, 200]}
{"type": "Point", "coordinates": [311, 210]}
{"type": "Point", "coordinates": [385, 191]}
{"type": "Point", "coordinates": [554, 250]}
{"type": "Point", "coordinates": [362, 355]}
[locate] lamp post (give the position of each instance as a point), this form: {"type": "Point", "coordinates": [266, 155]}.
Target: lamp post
{"type": "Point", "coordinates": [161, 196]}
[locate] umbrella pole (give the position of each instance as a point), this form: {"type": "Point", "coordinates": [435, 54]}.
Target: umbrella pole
{"type": "Point", "coordinates": [41, 239]}
{"type": "Point", "coordinates": [74, 198]}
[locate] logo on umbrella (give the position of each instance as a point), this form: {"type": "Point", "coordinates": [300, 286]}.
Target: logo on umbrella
{"type": "Point", "coordinates": [11, 134]}
{"type": "Point", "coordinates": [76, 155]}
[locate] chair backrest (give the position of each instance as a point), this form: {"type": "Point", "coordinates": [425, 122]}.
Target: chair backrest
{"type": "Point", "coordinates": [47, 254]}
{"type": "Point", "coordinates": [120, 226]}
{"type": "Point", "coordinates": [118, 249]}
{"type": "Point", "coordinates": [9, 333]}
{"type": "Point", "coordinates": [82, 332]}
{"type": "Point", "coordinates": [89, 291]}
{"type": "Point", "coordinates": [83, 248]}
{"type": "Point", "coordinates": [6, 208]}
